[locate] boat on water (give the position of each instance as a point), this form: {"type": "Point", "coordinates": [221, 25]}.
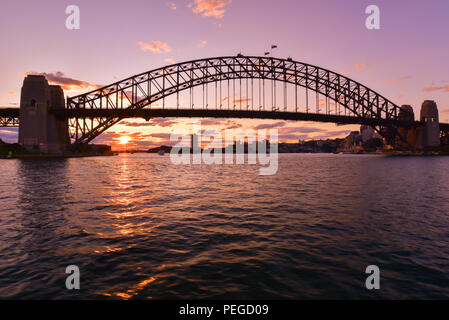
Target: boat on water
{"type": "Point", "coordinates": [161, 152]}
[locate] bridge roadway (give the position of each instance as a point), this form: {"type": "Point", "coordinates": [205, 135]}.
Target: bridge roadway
{"type": "Point", "coordinates": [13, 113]}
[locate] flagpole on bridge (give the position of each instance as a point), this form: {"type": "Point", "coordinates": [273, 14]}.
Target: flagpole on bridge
{"type": "Point", "coordinates": [273, 85]}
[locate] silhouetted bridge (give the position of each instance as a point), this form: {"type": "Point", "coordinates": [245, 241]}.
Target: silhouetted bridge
{"type": "Point", "coordinates": [228, 87]}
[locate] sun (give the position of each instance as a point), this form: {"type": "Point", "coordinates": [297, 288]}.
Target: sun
{"type": "Point", "coordinates": [124, 139]}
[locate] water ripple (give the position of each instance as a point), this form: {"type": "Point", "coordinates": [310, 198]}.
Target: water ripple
{"type": "Point", "coordinates": [141, 228]}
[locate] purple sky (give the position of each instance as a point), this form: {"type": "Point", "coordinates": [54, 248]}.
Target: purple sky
{"type": "Point", "coordinates": [406, 60]}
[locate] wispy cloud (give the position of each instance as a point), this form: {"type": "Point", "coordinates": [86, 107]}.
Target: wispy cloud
{"type": "Point", "coordinates": [160, 122]}
{"type": "Point", "coordinates": [221, 123]}
{"type": "Point", "coordinates": [362, 65]}
{"type": "Point", "coordinates": [154, 46]}
{"type": "Point", "coordinates": [59, 78]}
{"type": "Point", "coordinates": [270, 125]}
{"type": "Point", "coordinates": [210, 8]}
{"type": "Point", "coordinates": [301, 130]}
{"type": "Point", "coordinates": [202, 43]}
{"type": "Point", "coordinates": [237, 101]}
{"type": "Point", "coordinates": [170, 60]}
{"type": "Point", "coordinates": [137, 140]}
{"type": "Point", "coordinates": [163, 136]}
{"type": "Point", "coordinates": [333, 134]}
{"type": "Point", "coordinates": [172, 6]}
{"type": "Point", "coordinates": [397, 80]}
{"type": "Point", "coordinates": [436, 88]}
{"type": "Point", "coordinates": [357, 67]}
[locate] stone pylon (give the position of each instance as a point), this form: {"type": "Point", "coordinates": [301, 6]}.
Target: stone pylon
{"type": "Point", "coordinates": [39, 129]}
{"type": "Point", "coordinates": [411, 134]}
{"type": "Point", "coordinates": [430, 135]}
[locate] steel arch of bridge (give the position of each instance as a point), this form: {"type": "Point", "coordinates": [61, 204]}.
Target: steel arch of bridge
{"type": "Point", "coordinates": [141, 90]}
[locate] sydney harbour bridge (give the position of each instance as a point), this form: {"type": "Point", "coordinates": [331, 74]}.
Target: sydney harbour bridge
{"type": "Point", "coordinates": [223, 87]}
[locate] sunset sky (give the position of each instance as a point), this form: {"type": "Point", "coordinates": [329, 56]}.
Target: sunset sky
{"type": "Point", "coordinates": [406, 60]}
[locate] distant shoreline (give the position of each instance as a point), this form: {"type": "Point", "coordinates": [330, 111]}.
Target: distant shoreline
{"type": "Point", "coordinates": [53, 156]}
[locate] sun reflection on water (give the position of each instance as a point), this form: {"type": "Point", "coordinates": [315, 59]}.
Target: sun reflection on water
{"type": "Point", "coordinates": [134, 290]}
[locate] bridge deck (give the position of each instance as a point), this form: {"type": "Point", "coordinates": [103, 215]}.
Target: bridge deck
{"type": "Point", "coordinates": [13, 113]}
{"type": "Point", "coordinates": [242, 114]}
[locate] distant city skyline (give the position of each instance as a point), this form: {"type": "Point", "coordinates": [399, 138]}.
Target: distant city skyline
{"type": "Point", "coordinates": [406, 60]}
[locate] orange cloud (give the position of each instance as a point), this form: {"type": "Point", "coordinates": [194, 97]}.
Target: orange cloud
{"type": "Point", "coordinates": [161, 122]}
{"type": "Point", "coordinates": [136, 140]}
{"type": "Point", "coordinates": [270, 125]}
{"type": "Point", "coordinates": [170, 60]}
{"type": "Point", "coordinates": [154, 46]}
{"type": "Point", "coordinates": [242, 100]}
{"type": "Point", "coordinates": [395, 81]}
{"type": "Point", "coordinates": [362, 65]}
{"type": "Point", "coordinates": [58, 78]}
{"type": "Point", "coordinates": [210, 8]}
{"type": "Point", "coordinates": [435, 88]}
{"type": "Point", "coordinates": [202, 44]}
{"type": "Point", "coordinates": [235, 101]}
{"type": "Point", "coordinates": [172, 6]}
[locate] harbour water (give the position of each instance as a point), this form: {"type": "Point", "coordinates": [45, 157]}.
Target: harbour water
{"type": "Point", "coordinates": [139, 227]}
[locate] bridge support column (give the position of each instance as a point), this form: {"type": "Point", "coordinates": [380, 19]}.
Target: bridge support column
{"type": "Point", "coordinates": [430, 136]}
{"type": "Point", "coordinates": [40, 130]}
{"type": "Point", "coordinates": [411, 135]}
